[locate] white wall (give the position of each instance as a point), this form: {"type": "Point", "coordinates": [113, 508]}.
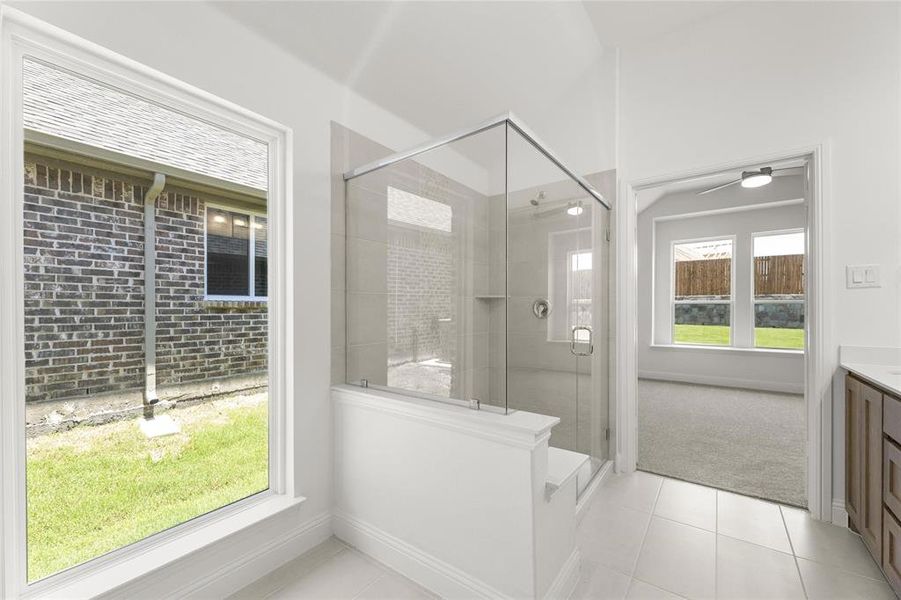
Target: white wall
{"type": "Point", "coordinates": [200, 45]}
{"type": "Point", "coordinates": [676, 217]}
{"type": "Point", "coordinates": [746, 83]}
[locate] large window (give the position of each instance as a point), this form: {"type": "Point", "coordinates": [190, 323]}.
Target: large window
{"type": "Point", "coordinates": [779, 290]}
{"type": "Point", "coordinates": [235, 254]}
{"type": "Point", "coordinates": [106, 464]}
{"type": "Point", "coordinates": [702, 292]}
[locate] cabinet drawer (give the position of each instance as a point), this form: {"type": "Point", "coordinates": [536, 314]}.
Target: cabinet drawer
{"type": "Point", "coordinates": [891, 475]}
{"type": "Point", "coordinates": [891, 417]}
{"type": "Point", "coordinates": [891, 549]}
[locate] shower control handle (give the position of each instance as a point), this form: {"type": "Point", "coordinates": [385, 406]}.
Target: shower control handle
{"type": "Point", "coordinates": [573, 340]}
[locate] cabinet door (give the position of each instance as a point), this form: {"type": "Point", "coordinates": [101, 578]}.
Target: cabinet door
{"type": "Point", "coordinates": [870, 525]}
{"type": "Point", "coordinates": [891, 476]}
{"type": "Point", "coordinates": [853, 454]}
{"type": "Point", "coordinates": [891, 550]}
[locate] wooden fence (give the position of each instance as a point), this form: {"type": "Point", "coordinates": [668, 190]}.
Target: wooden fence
{"type": "Point", "coordinates": [773, 275]}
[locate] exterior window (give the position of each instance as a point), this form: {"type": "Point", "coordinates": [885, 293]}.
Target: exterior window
{"type": "Point", "coordinates": [235, 254]}
{"type": "Point", "coordinates": [100, 468]}
{"type": "Point", "coordinates": [579, 294]}
{"type": "Point", "coordinates": [779, 290]}
{"type": "Point", "coordinates": [702, 292]}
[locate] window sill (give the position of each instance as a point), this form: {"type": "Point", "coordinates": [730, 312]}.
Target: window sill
{"type": "Point", "coordinates": [234, 304]}
{"type": "Point", "coordinates": [728, 349]}
{"type": "Point", "coordinates": [109, 572]}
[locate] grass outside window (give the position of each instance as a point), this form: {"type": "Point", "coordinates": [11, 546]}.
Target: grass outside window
{"type": "Point", "coordinates": [92, 490]}
{"type": "Point", "coordinates": [718, 335]}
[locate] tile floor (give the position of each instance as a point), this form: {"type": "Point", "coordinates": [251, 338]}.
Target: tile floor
{"type": "Point", "coordinates": [333, 571]}
{"type": "Point", "coordinates": [646, 537]}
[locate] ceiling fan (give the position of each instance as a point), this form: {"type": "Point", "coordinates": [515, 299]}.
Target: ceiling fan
{"type": "Point", "coordinates": [754, 179]}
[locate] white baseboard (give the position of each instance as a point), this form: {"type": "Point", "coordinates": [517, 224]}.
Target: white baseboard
{"type": "Point", "coordinates": [732, 382]}
{"type": "Point", "coordinates": [568, 578]}
{"type": "Point", "coordinates": [428, 571]}
{"type": "Point", "coordinates": [839, 514]}
{"type": "Point", "coordinates": [585, 499]}
{"type": "Point", "coordinates": [248, 567]}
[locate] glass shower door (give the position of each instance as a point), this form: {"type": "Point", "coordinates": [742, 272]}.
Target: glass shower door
{"type": "Point", "coordinates": [556, 324]}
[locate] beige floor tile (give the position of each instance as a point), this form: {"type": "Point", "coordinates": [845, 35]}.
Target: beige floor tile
{"type": "Point", "coordinates": [678, 558]}
{"type": "Point", "coordinates": [291, 571]}
{"type": "Point", "coordinates": [825, 582]}
{"type": "Point", "coordinates": [611, 535]}
{"type": "Point", "coordinates": [636, 490]}
{"type": "Point", "coordinates": [687, 503]}
{"type": "Point", "coordinates": [597, 582]}
{"type": "Point", "coordinates": [394, 587]}
{"type": "Point", "coordinates": [342, 577]}
{"type": "Point", "coordinates": [639, 590]}
{"type": "Point", "coordinates": [751, 520]}
{"type": "Point", "coordinates": [826, 543]}
{"type": "Point", "coordinates": [746, 571]}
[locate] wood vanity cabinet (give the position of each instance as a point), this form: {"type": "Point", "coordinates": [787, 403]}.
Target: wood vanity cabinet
{"type": "Point", "coordinates": [873, 472]}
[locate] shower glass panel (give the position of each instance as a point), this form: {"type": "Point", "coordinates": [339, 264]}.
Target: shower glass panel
{"type": "Point", "coordinates": [556, 314]}
{"type": "Point", "coordinates": [425, 271]}
{"type": "Point", "coordinates": [477, 270]}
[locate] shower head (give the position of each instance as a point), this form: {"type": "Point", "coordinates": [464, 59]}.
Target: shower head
{"type": "Point", "coordinates": [534, 201]}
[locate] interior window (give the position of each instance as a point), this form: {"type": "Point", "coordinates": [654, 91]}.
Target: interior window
{"type": "Point", "coordinates": [702, 292]}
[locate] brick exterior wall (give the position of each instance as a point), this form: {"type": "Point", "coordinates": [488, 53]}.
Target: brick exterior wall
{"type": "Point", "coordinates": [422, 282]}
{"type": "Point", "coordinates": [84, 288]}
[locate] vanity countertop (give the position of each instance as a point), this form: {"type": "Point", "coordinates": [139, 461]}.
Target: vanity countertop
{"type": "Point", "coordinates": [885, 376]}
{"type": "Point", "coordinates": [879, 366]}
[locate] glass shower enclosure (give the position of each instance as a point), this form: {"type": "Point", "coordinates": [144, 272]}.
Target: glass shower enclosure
{"type": "Point", "coordinates": [477, 272]}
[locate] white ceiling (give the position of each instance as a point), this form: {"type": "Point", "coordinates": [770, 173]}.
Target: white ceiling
{"type": "Point", "coordinates": [628, 24]}
{"type": "Point", "coordinates": [439, 65]}
{"type": "Point", "coordinates": [442, 66]}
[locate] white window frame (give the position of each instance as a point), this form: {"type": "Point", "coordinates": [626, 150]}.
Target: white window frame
{"type": "Point", "coordinates": [672, 295]}
{"type": "Point", "coordinates": [24, 36]}
{"type": "Point", "coordinates": [755, 302]}
{"type": "Point", "coordinates": [251, 254]}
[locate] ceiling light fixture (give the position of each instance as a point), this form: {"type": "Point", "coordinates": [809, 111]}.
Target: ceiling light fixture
{"type": "Point", "coordinates": [575, 210]}
{"type": "Point", "coordinates": [756, 179]}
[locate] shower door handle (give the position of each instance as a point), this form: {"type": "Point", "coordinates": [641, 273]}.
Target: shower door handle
{"type": "Point", "coordinates": [573, 341]}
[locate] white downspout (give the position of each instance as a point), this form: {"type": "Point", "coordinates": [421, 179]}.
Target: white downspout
{"type": "Point", "coordinates": [150, 397]}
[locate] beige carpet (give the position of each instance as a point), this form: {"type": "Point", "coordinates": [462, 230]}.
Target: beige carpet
{"type": "Point", "coordinates": [744, 441]}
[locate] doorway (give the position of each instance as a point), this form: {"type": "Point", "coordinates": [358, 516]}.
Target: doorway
{"type": "Point", "coordinates": [677, 329]}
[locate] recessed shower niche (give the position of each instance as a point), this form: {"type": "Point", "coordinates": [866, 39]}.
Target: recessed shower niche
{"type": "Point", "coordinates": [477, 273]}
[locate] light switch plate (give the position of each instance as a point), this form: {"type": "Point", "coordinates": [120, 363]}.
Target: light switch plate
{"type": "Point", "coordinates": [862, 276]}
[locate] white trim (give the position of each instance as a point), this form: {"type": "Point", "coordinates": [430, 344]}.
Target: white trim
{"type": "Point", "coordinates": [587, 495]}
{"type": "Point", "coordinates": [730, 382]}
{"type": "Point", "coordinates": [518, 429]}
{"type": "Point", "coordinates": [22, 35]}
{"type": "Point", "coordinates": [839, 513]}
{"type": "Point", "coordinates": [819, 360]}
{"type": "Point", "coordinates": [729, 210]}
{"type": "Point", "coordinates": [567, 579]}
{"type": "Point", "coordinates": [428, 571]}
{"type": "Point", "coordinates": [718, 349]}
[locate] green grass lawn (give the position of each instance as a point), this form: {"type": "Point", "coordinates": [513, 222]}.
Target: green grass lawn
{"type": "Point", "coordinates": [96, 489]}
{"type": "Point", "coordinates": [718, 335]}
